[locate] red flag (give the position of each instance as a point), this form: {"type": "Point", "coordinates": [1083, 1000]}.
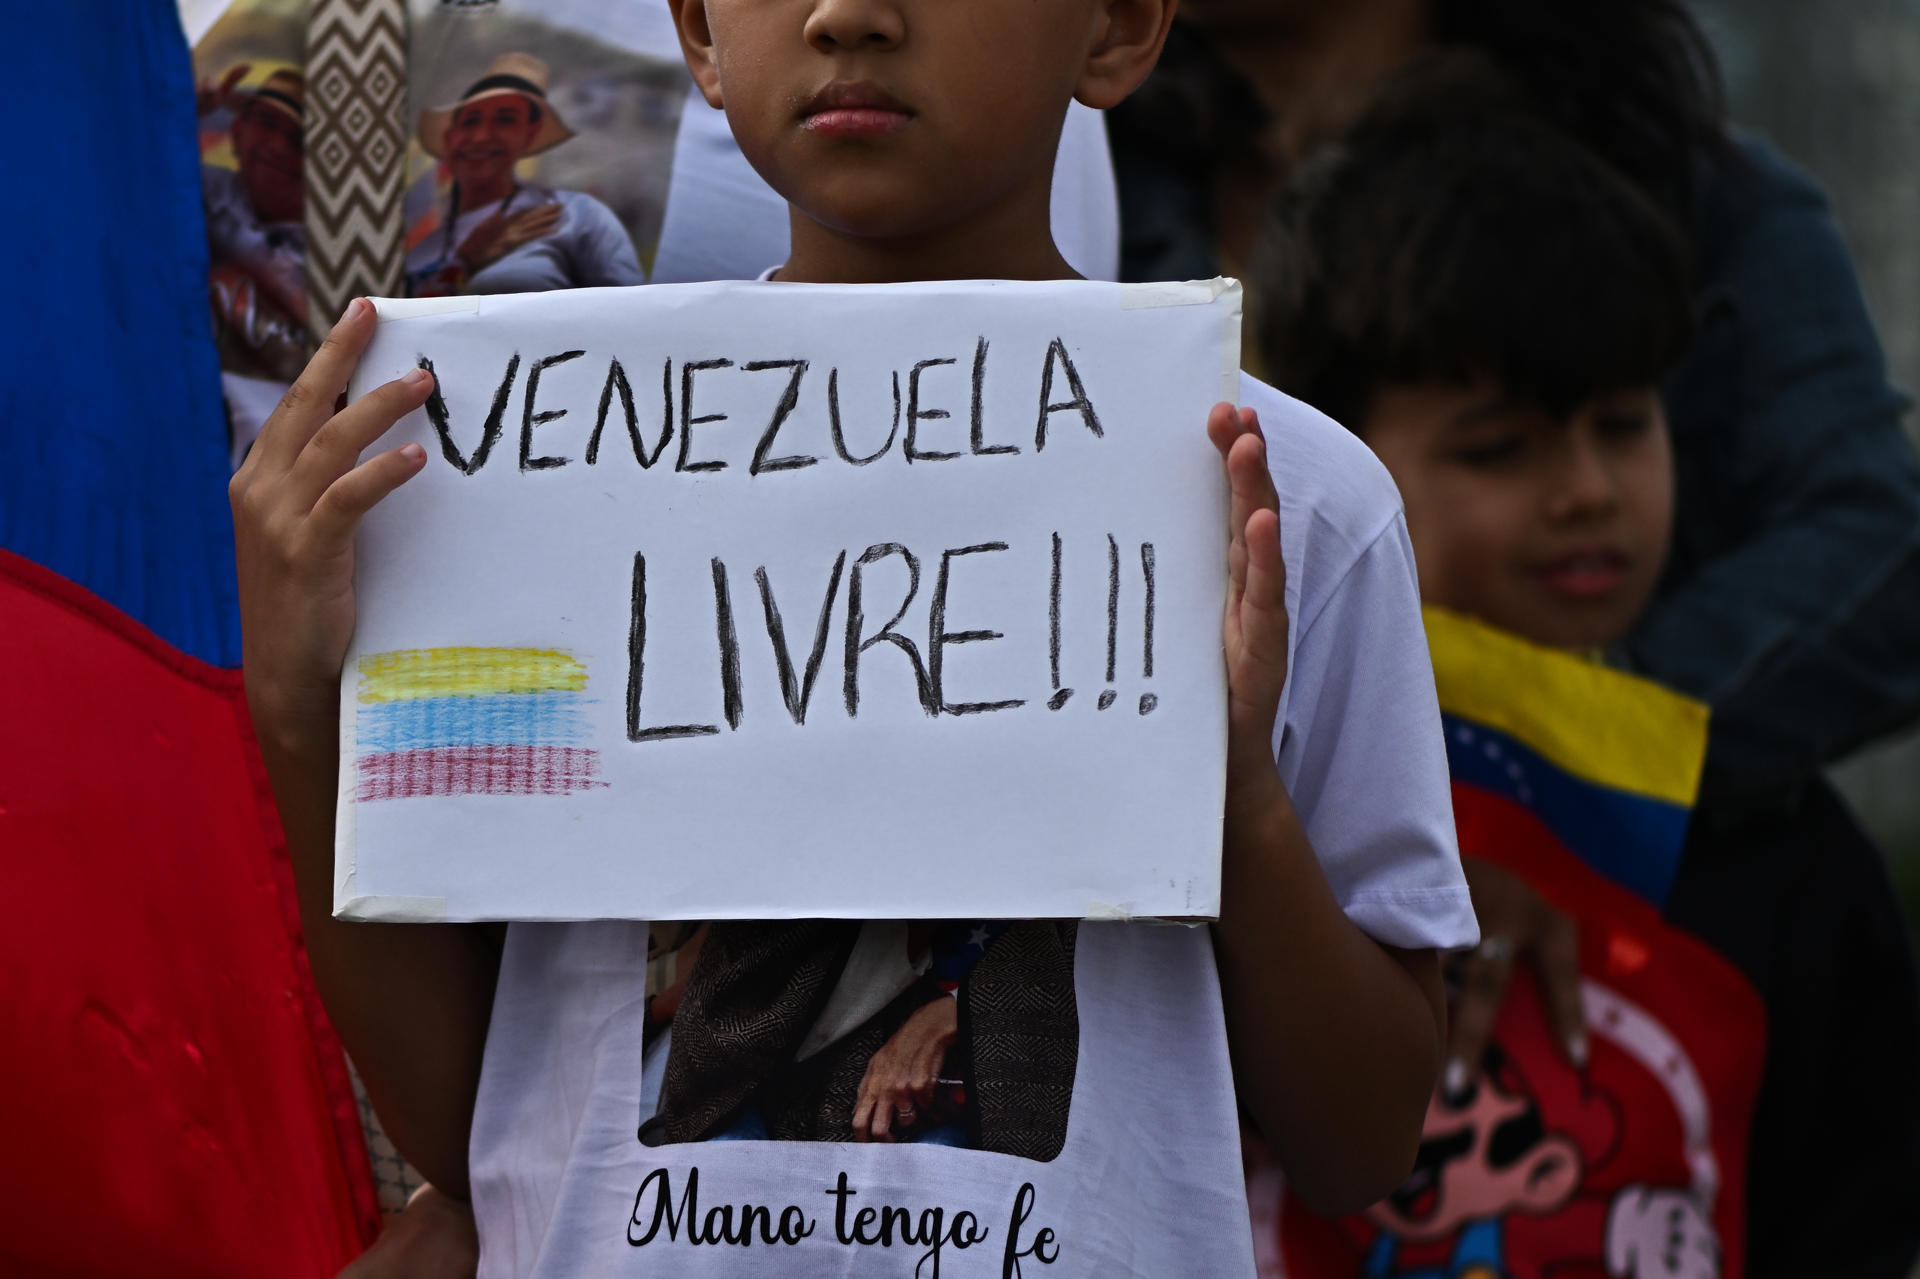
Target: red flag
{"type": "Point", "coordinates": [177, 1103]}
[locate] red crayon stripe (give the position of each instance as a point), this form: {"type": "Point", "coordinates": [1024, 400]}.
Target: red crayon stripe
{"type": "Point", "coordinates": [478, 770]}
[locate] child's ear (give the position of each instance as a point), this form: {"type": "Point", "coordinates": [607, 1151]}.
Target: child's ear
{"type": "Point", "coordinates": [1126, 44]}
{"type": "Point", "coordinates": [696, 45]}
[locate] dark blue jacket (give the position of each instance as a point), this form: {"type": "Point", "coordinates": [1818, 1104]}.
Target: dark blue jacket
{"type": "Point", "coordinates": [1791, 601]}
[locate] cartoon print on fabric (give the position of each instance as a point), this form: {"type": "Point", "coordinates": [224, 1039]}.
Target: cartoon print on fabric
{"type": "Point", "coordinates": [1510, 1182]}
{"type": "Point", "coordinates": [1633, 1167]}
{"type": "Point", "coordinates": [1483, 1154]}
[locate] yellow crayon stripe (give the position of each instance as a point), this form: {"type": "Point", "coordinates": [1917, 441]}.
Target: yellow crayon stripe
{"type": "Point", "coordinates": [467, 672]}
{"type": "Point", "coordinates": [1600, 724]}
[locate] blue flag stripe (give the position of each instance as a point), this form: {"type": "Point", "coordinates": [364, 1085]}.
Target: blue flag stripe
{"type": "Point", "coordinates": [1632, 839]}
{"type": "Point", "coordinates": [500, 719]}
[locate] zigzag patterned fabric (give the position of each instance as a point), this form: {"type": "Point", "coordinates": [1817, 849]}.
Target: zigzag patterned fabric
{"type": "Point", "coordinates": [356, 153]}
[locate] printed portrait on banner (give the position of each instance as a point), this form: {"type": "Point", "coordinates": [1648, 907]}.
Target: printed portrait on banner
{"type": "Point", "coordinates": [541, 149]}
{"type": "Point", "coordinates": [250, 92]}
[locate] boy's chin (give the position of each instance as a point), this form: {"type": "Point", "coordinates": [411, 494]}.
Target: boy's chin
{"type": "Point", "coordinates": [875, 221]}
{"type": "Point", "coordinates": [879, 202]}
{"type": "Point", "coordinates": [1581, 633]}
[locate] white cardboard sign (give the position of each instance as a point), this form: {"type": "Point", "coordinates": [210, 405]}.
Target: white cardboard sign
{"type": "Point", "coordinates": [772, 601]}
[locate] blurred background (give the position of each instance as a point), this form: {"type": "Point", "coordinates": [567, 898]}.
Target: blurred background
{"type": "Point", "coordinates": [1832, 83]}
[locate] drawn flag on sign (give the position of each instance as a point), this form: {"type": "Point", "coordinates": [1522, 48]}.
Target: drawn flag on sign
{"type": "Point", "coordinates": [472, 721]}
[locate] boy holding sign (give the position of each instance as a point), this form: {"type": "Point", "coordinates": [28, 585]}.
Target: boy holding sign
{"type": "Point", "coordinates": [914, 140]}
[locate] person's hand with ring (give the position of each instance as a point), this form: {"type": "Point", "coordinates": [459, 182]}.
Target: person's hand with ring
{"type": "Point", "coordinates": [1514, 921]}
{"type": "Point", "coordinates": [900, 1078]}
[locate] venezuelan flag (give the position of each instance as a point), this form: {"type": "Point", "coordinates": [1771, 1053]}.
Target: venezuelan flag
{"type": "Point", "coordinates": [472, 721]}
{"type": "Point", "coordinates": [1608, 762]}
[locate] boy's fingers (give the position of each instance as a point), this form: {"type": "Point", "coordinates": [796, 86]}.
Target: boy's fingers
{"type": "Point", "coordinates": [1558, 953]}
{"type": "Point", "coordinates": [309, 401]}
{"type": "Point", "coordinates": [1261, 618]}
{"type": "Point", "coordinates": [1266, 588]}
{"type": "Point", "coordinates": [336, 446]}
{"type": "Point", "coordinates": [350, 497]}
{"type": "Point", "coordinates": [1483, 989]}
{"type": "Point", "coordinates": [1250, 489]}
{"type": "Point", "coordinates": [1223, 427]}
{"type": "Point", "coordinates": [1259, 477]}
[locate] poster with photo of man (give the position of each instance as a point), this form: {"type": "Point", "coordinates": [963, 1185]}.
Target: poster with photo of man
{"type": "Point", "coordinates": [542, 144]}
{"type": "Point", "coordinates": [251, 96]}
{"type": "Point", "coordinates": [542, 148]}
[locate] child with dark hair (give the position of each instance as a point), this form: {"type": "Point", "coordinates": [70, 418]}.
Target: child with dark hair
{"type": "Point", "coordinates": [1451, 239]}
{"type": "Point", "coordinates": [1493, 309]}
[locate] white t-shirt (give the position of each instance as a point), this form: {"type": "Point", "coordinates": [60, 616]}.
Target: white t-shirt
{"type": "Point", "coordinates": [1148, 1179]}
{"type": "Point", "coordinates": [586, 249]}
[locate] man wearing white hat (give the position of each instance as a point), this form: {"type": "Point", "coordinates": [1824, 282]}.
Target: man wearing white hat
{"type": "Point", "coordinates": [500, 235]}
{"type": "Point", "coordinates": [257, 243]}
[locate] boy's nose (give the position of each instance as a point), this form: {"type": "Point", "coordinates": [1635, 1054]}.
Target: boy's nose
{"type": "Point", "coordinates": [1586, 483]}
{"type": "Point", "coordinates": [855, 24]}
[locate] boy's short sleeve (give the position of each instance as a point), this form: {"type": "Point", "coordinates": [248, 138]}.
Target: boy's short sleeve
{"type": "Point", "coordinates": [1362, 755]}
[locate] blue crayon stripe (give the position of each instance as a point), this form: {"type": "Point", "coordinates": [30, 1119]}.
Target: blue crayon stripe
{"type": "Point", "coordinates": [1632, 839]}
{"type": "Point", "coordinates": [498, 719]}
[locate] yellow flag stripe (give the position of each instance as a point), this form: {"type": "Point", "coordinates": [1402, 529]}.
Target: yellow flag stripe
{"type": "Point", "coordinates": [409, 673]}
{"type": "Point", "coordinates": [1602, 725]}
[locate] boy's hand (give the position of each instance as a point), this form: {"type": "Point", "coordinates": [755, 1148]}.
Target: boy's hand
{"type": "Point", "coordinates": [1515, 922]}
{"type": "Point", "coordinates": [434, 1238]}
{"type": "Point", "coordinates": [297, 501]}
{"type": "Point", "coordinates": [1256, 620]}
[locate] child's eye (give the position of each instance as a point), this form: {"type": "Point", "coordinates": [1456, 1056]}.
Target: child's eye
{"type": "Point", "coordinates": [1492, 451]}
{"type": "Point", "coordinates": [1621, 425]}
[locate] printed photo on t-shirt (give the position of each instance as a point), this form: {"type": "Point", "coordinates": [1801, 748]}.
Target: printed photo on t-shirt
{"type": "Point", "coordinates": [950, 1032]}
{"type": "Point", "coordinates": [540, 153]}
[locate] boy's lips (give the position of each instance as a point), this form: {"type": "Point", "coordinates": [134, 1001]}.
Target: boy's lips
{"type": "Point", "coordinates": [1585, 573]}
{"type": "Point", "coordinates": [854, 109]}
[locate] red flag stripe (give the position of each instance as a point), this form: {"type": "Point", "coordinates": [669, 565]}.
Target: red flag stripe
{"type": "Point", "coordinates": [478, 770]}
